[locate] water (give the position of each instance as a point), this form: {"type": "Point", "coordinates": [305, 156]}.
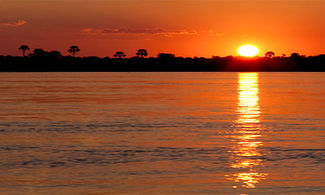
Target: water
{"type": "Point", "coordinates": [162, 133]}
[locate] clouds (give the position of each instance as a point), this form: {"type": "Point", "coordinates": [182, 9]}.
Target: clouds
{"type": "Point", "coordinates": [146, 31]}
{"type": "Point", "coordinates": [150, 31]}
{"type": "Point", "coordinates": [213, 33]}
{"type": "Point", "coordinates": [14, 24]}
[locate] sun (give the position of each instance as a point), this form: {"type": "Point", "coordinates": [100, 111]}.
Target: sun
{"type": "Point", "coordinates": [248, 51]}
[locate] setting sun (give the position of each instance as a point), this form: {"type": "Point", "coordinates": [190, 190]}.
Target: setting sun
{"type": "Point", "coordinates": [248, 51]}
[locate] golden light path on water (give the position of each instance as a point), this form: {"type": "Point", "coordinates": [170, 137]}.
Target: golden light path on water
{"type": "Point", "coordinates": [246, 152]}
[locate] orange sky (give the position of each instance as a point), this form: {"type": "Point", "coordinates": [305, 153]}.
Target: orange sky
{"type": "Point", "coordinates": [183, 27]}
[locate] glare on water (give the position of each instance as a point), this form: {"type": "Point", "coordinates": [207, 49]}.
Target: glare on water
{"type": "Point", "coordinates": [246, 152]}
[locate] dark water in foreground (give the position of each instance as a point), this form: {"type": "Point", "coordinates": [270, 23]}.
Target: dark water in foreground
{"type": "Point", "coordinates": [162, 133]}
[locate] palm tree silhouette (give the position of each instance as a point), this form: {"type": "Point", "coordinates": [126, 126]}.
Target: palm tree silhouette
{"type": "Point", "coordinates": [119, 54]}
{"type": "Point", "coordinates": [73, 50]}
{"type": "Point", "coordinates": [142, 53]}
{"type": "Point", "coordinates": [269, 54]}
{"type": "Point", "coordinates": [24, 48]}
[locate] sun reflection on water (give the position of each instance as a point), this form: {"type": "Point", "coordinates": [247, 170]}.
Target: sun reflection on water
{"type": "Point", "coordinates": [246, 152]}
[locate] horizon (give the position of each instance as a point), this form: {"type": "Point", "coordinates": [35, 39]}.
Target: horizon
{"type": "Point", "coordinates": [184, 28]}
{"type": "Point", "coordinates": [67, 53]}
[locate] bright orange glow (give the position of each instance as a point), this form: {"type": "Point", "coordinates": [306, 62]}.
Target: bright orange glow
{"type": "Point", "coordinates": [246, 151]}
{"type": "Point", "coordinates": [203, 28]}
{"type": "Point", "coordinates": [249, 179]}
{"type": "Point", "coordinates": [248, 51]}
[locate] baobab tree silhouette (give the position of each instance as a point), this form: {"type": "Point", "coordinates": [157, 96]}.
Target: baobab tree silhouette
{"type": "Point", "coordinates": [73, 50]}
{"type": "Point", "coordinates": [24, 48]}
{"type": "Point", "coordinates": [119, 54]}
{"type": "Point", "coordinates": [142, 53]}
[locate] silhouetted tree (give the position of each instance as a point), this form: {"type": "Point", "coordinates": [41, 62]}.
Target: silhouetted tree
{"type": "Point", "coordinates": [24, 48]}
{"type": "Point", "coordinates": [164, 57]}
{"type": "Point", "coordinates": [38, 53]}
{"type": "Point", "coordinates": [269, 54]}
{"type": "Point", "coordinates": [73, 50]}
{"type": "Point", "coordinates": [119, 54]}
{"type": "Point", "coordinates": [295, 55]}
{"type": "Point", "coordinates": [55, 54]}
{"type": "Point", "coordinates": [142, 53]}
{"type": "Point", "coordinates": [283, 55]}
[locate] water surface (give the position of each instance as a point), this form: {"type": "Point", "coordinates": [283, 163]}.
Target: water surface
{"type": "Point", "coordinates": [162, 133]}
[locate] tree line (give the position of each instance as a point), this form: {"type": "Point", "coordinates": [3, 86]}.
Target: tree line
{"type": "Point", "coordinates": [73, 50]}
{"type": "Point", "coordinates": [40, 60]}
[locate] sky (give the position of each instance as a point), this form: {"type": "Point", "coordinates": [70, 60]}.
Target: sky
{"type": "Point", "coordinates": [188, 28]}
